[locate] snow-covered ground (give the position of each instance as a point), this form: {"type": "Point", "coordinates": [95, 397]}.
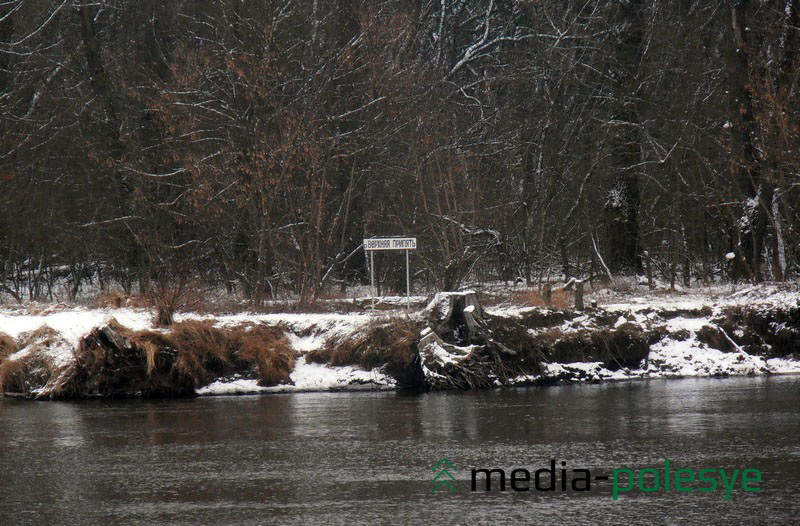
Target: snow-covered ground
{"type": "Point", "coordinates": [639, 298]}
{"type": "Point", "coordinates": [308, 332]}
{"type": "Point", "coordinates": [306, 377]}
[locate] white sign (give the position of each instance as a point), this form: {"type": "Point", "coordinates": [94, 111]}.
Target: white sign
{"type": "Point", "coordinates": [391, 243]}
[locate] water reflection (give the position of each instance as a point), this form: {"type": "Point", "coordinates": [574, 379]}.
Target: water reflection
{"type": "Point", "coordinates": [366, 457]}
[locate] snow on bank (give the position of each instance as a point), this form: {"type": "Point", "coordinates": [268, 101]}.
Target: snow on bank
{"type": "Point", "coordinates": [329, 324]}
{"type": "Point", "coordinates": [669, 358]}
{"type": "Point", "coordinates": [306, 377]}
{"type": "Point", "coordinates": [776, 295]}
{"type": "Point", "coordinates": [72, 324]}
{"type": "Point", "coordinates": [716, 297]}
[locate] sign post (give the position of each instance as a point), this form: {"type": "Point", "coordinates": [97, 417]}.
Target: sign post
{"type": "Point", "coordinates": [390, 243]}
{"type": "Point", "coordinates": [408, 285]}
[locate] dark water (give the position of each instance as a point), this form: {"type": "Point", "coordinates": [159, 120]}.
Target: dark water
{"type": "Point", "coordinates": [366, 458]}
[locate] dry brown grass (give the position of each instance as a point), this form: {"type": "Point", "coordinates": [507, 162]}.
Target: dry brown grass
{"type": "Point", "coordinates": [117, 299]}
{"type": "Point", "coordinates": [268, 351]}
{"type": "Point", "coordinates": [560, 299]}
{"type": "Point", "coordinates": [623, 346]}
{"type": "Point", "coordinates": [204, 351]}
{"type": "Point", "coordinates": [771, 333]}
{"type": "Point", "coordinates": [12, 377]}
{"type": "Point", "coordinates": [113, 361]}
{"type": "Point", "coordinates": [7, 346]}
{"type": "Point", "coordinates": [391, 344]}
{"type": "Point", "coordinates": [36, 370]}
{"type": "Point", "coordinates": [714, 338]}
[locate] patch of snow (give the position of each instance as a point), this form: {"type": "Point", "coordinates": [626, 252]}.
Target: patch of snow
{"type": "Point", "coordinates": [783, 366]}
{"type": "Point", "coordinates": [318, 376]}
{"type": "Point", "coordinates": [308, 343]}
{"type": "Point", "coordinates": [440, 354]}
{"type": "Point", "coordinates": [691, 358]}
{"type": "Point", "coordinates": [73, 324]}
{"type": "Point", "coordinates": [511, 311]}
{"type": "Point", "coordinates": [238, 386]}
{"type": "Point", "coordinates": [306, 377]}
{"type": "Point", "coordinates": [689, 324]}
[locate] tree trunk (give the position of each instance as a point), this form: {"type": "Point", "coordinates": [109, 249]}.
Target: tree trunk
{"type": "Point", "coordinates": [745, 164]}
{"type": "Point", "coordinates": [622, 203]}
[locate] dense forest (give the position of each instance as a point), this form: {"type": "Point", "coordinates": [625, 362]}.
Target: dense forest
{"type": "Point", "coordinates": [252, 145]}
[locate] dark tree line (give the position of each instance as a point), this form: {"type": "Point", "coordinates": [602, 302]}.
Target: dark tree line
{"type": "Point", "coordinates": [252, 145]}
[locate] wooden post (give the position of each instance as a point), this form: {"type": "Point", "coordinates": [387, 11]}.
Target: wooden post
{"type": "Point", "coordinates": [547, 294]}
{"type": "Point", "coordinates": [408, 284]}
{"type": "Point", "coordinates": [578, 295]}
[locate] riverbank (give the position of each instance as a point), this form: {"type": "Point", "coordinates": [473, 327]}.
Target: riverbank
{"type": "Point", "coordinates": [58, 351]}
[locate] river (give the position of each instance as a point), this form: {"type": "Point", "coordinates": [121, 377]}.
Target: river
{"type": "Point", "coordinates": [368, 457]}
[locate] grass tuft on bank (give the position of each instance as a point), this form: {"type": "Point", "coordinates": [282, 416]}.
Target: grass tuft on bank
{"type": "Point", "coordinates": [388, 343]}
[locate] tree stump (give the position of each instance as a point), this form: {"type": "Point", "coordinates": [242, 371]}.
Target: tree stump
{"type": "Point", "coordinates": [457, 317]}
{"type": "Point", "coordinates": [459, 350]}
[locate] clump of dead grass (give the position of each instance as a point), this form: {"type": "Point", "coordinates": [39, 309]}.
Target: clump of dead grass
{"type": "Point", "coordinates": [115, 362]}
{"type": "Point", "coordinates": [269, 353]}
{"type": "Point", "coordinates": [714, 338]}
{"type": "Point", "coordinates": [390, 344]}
{"type": "Point", "coordinates": [117, 299]}
{"type": "Point", "coordinates": [559, 299]}
{"type": "Point", "coordinates": [204, 352]}
{"type": "Point", "coordinates": [625, 346]}
{"type": "Point", "coordinates": [773, 332]}
{"type": "Point", "coordinates": [34, 369]}
{"type": "Point", "coordinates": [7, 346]}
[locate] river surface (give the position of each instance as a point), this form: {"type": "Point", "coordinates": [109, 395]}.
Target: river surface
{"type": "Point", "coordinates": [367, 457]}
